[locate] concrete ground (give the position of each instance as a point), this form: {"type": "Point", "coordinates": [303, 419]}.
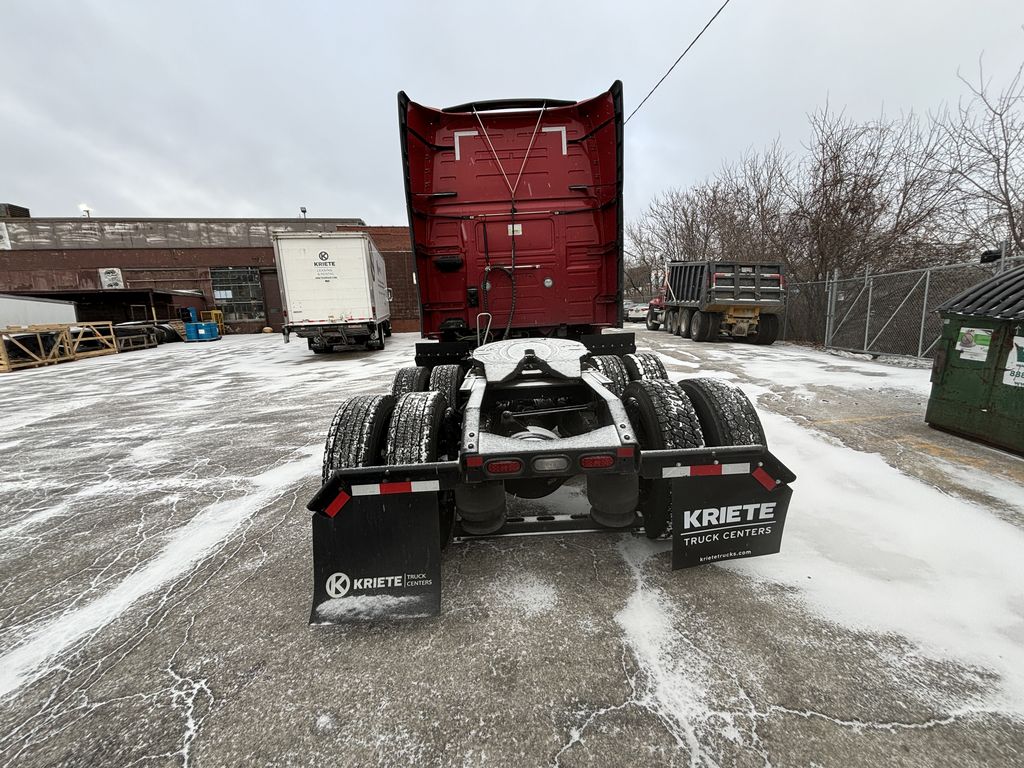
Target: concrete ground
{"type": "Point", "coordinates": [155, 589]}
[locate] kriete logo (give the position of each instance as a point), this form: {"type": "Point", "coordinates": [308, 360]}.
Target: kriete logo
{"type": "Point", "coordinates": [323, 256]}
{"type": "Point", "coordinates": [338, 584]}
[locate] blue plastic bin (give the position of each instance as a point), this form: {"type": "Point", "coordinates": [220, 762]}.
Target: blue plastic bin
{"type": "Point", "coordinates": [201, 332]}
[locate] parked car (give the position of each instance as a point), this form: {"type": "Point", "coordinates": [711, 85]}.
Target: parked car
{"type": "Point", "coordinates": [637, 313]}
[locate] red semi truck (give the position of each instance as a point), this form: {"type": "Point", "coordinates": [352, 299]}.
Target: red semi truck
{"type": "Point", "coordinates": [515, 210]}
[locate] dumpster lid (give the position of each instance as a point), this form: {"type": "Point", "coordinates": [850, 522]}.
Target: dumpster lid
{"type": "Point", "coordinates": [1001, 297]}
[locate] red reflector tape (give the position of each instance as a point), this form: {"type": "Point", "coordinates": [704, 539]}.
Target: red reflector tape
{"type": "Point", "coordinates": [335, 506]}
{"type": "Point", "coordinates": [474, 461]}
{"type": "Point", "coordinates": [624, 451]}
{"type": "Point", "coordinates": [706, 470]}
{"type": "Point", "coordinates": [388, 489]}
{"type": "Point", "coordinates": [764, 479]}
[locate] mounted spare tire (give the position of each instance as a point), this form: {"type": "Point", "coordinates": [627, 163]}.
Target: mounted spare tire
{"type": "Point", "coordinates": [646, 366]}
{"type": "Point", "coordinates": [727, 417]}
{"type": "Point", "coordinates": [662, 417]}
{"type": "Point", "coordinates": [357, 433]}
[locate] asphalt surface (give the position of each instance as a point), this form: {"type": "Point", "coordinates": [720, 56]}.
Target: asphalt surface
{"type": "Point", "coordinates": [155, 592]}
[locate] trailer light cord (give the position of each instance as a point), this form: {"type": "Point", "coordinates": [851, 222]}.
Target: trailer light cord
{"type": "Point", "coordinates": [692, 43]}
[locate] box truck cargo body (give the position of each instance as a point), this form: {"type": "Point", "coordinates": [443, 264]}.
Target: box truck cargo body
{"type": "Point", "coordinates": [334, 288]}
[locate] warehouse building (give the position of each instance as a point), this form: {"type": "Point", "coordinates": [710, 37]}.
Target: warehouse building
{"type": "Point", "coordinates": [140, 269]}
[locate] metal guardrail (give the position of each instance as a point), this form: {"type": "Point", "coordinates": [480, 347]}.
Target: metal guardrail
{"type": "Point", "coordinates": [891, 313]}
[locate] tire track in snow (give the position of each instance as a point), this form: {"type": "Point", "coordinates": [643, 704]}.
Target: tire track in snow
{"type": "Point", "coordinates": [187, 547]}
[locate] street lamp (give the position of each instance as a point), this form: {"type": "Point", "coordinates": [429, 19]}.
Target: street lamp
{"type": "Point", "coordinates": [85, 209]}
{"type": "Point", "coordinates": [303, 210]}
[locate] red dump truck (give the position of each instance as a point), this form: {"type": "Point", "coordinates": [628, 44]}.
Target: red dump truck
{"type": "Point", "coordinates": [515, 209]}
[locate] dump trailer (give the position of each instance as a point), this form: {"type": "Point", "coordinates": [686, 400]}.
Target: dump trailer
{"type": "Point", "coordinates": [707, 300]}
{"type": "Point", "coordinates": [334, 288]}
{"type": "Point", "coordinates": [532, 397]}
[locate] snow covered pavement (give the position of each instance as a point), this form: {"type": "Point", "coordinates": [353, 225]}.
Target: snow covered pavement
{"type": "Point", "coordinates": [156, 584]}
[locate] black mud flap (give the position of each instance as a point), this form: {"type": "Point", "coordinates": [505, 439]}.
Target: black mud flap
{"type": "Point", "coordinates": [727, 503]}
{"type": "Point", "coordinates": [377, 543]}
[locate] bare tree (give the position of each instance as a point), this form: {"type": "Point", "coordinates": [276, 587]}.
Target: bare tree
{"type": "Point", "coordinates": [984, 142]}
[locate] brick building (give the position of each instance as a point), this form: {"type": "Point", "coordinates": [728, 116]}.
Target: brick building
{"type": "Point", "coordinates": [133, 269]}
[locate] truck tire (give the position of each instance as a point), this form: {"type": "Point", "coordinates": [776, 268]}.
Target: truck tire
{"type": "Point", "coordinates": [652, 324]}
{"type": "Point", "coordinates": [704, 326]}
{"type": "Point", "coordinates": [613, 367]}
{"type": "Point", "coordinates": [447, 379]}
{"type": "Point", "coordinates": [727, 417]}
{"type": "Point", "coordinates": [662, 417]}
{"type": "Point", "coordinates": [357, 432]}
{"type": "Point", "coordinates": [410, 379]}
{"type": "Point", "coordinates": [685, 319]}
{"type": "Point", "coordinates": [415, 436]}
{"type": "Point", "coordinates": [767, 330]}
{"type": "Point", "coordinates": [645, 366]}
{"type": "Point", "coordinates": [387, 328]}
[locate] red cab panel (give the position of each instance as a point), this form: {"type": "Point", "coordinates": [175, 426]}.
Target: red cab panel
{"type": "Point", "coordinates": [515, 209]}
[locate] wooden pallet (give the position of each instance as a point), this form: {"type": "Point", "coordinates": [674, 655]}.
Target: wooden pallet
{"type": "Point", "coordinates": [31, 342]}
{"type": "Point", "coordinates": [140, 341]}
{"type": "Point", "coordinates": [89, 334]}
{"type": "Point", "coordinates": [177, 325]}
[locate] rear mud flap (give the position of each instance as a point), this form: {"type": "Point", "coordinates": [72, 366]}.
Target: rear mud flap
{"type": "Point", "coordinates": [377, 544]}
{"type": "Point", "coordinates": [727, 503]}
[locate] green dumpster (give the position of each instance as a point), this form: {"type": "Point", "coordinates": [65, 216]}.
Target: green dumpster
{"type": "Point", "coordinates": [978, 370]}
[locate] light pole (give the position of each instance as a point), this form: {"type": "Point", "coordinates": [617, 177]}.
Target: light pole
{"type": "Point", "coordinates": [303, 210]}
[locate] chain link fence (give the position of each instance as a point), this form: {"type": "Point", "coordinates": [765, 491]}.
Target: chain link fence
{"type": "Point", "coordinates": [884, 314]}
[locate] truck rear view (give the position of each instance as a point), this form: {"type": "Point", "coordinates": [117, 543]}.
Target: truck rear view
{"type": "Point", "coordinates": [515, 208]}
{"type": "Point", "coordinates": [516, 222]}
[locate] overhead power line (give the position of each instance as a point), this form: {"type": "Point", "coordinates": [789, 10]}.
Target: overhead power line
{"type": "Point", "coordinates": [692, 42]}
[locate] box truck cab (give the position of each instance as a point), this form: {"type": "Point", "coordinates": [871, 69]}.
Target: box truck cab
{"type": "Point", "coordinates": [334, 289]}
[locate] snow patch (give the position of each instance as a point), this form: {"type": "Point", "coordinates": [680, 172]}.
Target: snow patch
{"type": "Point", "coordinates": [524, 593]}
{"type": "Point", "coordinates": [185, 548]}
{"type": "Point", "coordinates": [370, 607]}
{"type": "Point", "coordinates": [871, 548]}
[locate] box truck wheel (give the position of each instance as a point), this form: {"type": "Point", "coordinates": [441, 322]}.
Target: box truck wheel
{"type": "Point", "coordinates": [613, 367]}
{"type": "Point", "coordinates": [357, 432]}
{"type": "Point", "coordinates": [685, 318]}
{"type": "Point", "coordinates": [672, 321]}
{"type": "Point", "coordinates": [646, 366]}
{"type": "Point", "coordinates": [652, 320]}
{"type": "Point", "coordinates": [410, 379]}
{"type": "Point", "coordinates": [387, 328]}
{"type": "Point", "coordinates": [662, 417]}
{"type": "Point", "coordinates": [415, 437]}
{"type": "Point", "coordinates": [727, 417]}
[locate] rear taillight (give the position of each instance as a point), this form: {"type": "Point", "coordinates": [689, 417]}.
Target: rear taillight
{"type": "Point", "coordinates": [597, 461]}
{"type": "Point", "coordinates": [503, 466]}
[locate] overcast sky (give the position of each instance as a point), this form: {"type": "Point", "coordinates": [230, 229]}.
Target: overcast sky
{"type": "Point", "coordinates": [254, 108]}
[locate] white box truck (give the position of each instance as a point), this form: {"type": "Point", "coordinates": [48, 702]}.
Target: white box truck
{"type": "Point", "coordinates": [334, 289]}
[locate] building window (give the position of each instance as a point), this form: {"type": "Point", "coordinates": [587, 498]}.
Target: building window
{"type": "Point", "coordinates": [237, 292]}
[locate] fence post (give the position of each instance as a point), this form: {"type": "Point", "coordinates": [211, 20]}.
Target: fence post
{"type": "Point", "coordinates": [829, 308]}
{"type": "Point", "coordinates": [924, 312]}
{"type": "Point", "coordinates": [867, 317]}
